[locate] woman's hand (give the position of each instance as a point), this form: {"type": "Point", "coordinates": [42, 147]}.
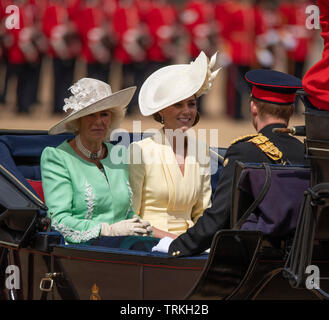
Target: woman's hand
{"type": "Point", "coordinates": [157, 233]}
{"type": "Point", "coordinates": [129, 227]}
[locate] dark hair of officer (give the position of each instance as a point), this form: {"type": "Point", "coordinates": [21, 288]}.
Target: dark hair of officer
{"type": "Point", "coordinates": [283, 111]}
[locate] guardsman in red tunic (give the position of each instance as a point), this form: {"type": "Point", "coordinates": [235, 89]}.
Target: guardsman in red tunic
{"type": "Point", "coordinates": [162, 22]}
{"type": "Point", "coordinates": [268, 41]}
{"type": "Point", "coordinates": [109, 6]}
{"type": "Point", "coordinates": [93, 26]}
{"type": "Point", "coordinates": [40, 41]}
{"type": "Point", "coordinates": [197, 17]}
{"type": "Point", "coordinates": [25, 48]}
{"type": "Point", "coordinates": [143, 7]}
{"type": "Point", "coordinates": [132, 41]}
{"type": "Point", "coordinates": [295, 37]}
{"type": "Point", "coordinates": [59, 26]}
{"type": "Point", "coordinates": [130, 33]}
{"type": "Point", "coordinates": [241, 25]}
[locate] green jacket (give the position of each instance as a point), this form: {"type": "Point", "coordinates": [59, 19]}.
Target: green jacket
{"type": "Point", "coordinates": [78, 195]}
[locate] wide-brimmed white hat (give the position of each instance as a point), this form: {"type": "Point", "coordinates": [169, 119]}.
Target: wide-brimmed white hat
{"type": "Point", "coordinates": [177, 82]}
{"type": "Point", "coordinates": [91, 96]}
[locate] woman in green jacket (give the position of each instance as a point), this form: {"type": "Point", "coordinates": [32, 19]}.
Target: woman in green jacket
{"type": "Point", "coordinates": [88, 195]}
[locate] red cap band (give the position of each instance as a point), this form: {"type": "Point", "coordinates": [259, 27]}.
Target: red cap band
{"type": "Point", "coordinates": [274, 97]}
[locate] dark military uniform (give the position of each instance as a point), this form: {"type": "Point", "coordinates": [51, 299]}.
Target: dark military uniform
{"type": "Point", "coordinates": [266, 147]}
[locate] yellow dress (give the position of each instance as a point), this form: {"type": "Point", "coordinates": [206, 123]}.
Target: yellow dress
{"type": "Point", "coordinates": [162, 195]}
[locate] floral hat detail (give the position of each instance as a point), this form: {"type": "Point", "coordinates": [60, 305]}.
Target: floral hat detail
{"type": "Point", "coordinates": [177, 82]}
{"type": "Point", "coordinates": [91, 96]}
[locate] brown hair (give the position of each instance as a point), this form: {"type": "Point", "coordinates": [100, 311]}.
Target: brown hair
{"type": "Point", "coordinates": [283, 111]}
{"type": "Point", "coordinates": [157, 117]}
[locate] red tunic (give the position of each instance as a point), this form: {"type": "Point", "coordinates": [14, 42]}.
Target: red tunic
{"type": "Point", "coordinates": [240, 25]}
{"type": "Point", "coordinates": [109, 7]}
{"type": "Point", "coordinates": [196, 18]}
{"type": "Point", "coordinates": [59, 15]}
{"type": "Point", "coordinates": [89, 19]}
{"type": "Point", "coordinates": [316, 80]}
{"type": "Point", "coordinates": [126, 25]}
{"type": "Point", "coordinates": [27, 19]}
{"type": "Point", "coordinates": [161, 20]}
{"type": "Point", "coordinates": [293, 18]}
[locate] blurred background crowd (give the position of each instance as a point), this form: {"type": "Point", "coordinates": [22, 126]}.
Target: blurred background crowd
{"type": "Point", "coordinates": [123, 41]}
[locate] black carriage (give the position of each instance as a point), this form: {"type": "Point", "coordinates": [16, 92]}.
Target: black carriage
{"type": "Point", "coordinates": [287, 259]}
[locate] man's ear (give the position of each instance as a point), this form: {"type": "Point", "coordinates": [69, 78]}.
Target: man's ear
{"type": "Point", "coordinates": [291, 114]}
{"type": "Point", "coordinates": [253, 108]}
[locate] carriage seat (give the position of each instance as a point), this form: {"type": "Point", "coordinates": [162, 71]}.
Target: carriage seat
{"type": "Point", "coordinates": [268, 199]}
{"type": "Point", "coordinates": [20, 154]}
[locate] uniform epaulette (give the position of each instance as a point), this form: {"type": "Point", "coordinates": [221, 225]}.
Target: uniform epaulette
{"type": "Point", "coordinates": [243, 138]}
{"type": "Point", "coordinates": [263, 143]}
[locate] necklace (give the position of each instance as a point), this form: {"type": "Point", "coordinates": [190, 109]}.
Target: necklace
{"type": "Point", "coordinates": [85, 151]}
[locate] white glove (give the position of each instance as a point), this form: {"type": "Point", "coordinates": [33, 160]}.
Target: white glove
{"type": "Point", "coordinates": [289, 41]}
{"type": "Point", "coordinates": [147, 226]}
{"type": "Point", "coordinates": [163, 245]}
{"type": "Point", "coordinates": [129, 227]}
{"type": "Point", "coordinates": [265, 57]}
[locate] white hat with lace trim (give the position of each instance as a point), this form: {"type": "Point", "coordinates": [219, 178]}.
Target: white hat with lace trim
{"type": "Point", "coordinates": [91, 96]}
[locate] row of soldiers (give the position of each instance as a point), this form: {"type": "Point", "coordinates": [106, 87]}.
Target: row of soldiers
{"type": "Point", "coordinates": [144, 35]}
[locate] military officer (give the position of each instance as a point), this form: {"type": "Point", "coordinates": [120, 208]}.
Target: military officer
{"type": "Point", "coordinates": [272, 104]}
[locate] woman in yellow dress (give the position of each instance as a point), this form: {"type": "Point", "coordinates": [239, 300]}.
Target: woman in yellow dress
{"type": "Point", "coordinates": [170, 171]}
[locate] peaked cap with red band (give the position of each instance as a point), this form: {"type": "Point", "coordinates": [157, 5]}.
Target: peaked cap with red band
{"type": "Point", "coordinates": [273, 86]}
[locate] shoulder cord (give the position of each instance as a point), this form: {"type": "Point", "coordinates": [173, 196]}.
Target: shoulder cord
{"type": "Point", "coordinates": [269, 148]}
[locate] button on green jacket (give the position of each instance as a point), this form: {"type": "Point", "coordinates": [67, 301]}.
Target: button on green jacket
{"type": "Point", "coordinates": [78, 195]}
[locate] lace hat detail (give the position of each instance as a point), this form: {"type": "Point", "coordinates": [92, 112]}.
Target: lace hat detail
{"type": "Point", "coordinates": [91, 96]}
{"type": "Point", "coordinates": [84, 94]}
